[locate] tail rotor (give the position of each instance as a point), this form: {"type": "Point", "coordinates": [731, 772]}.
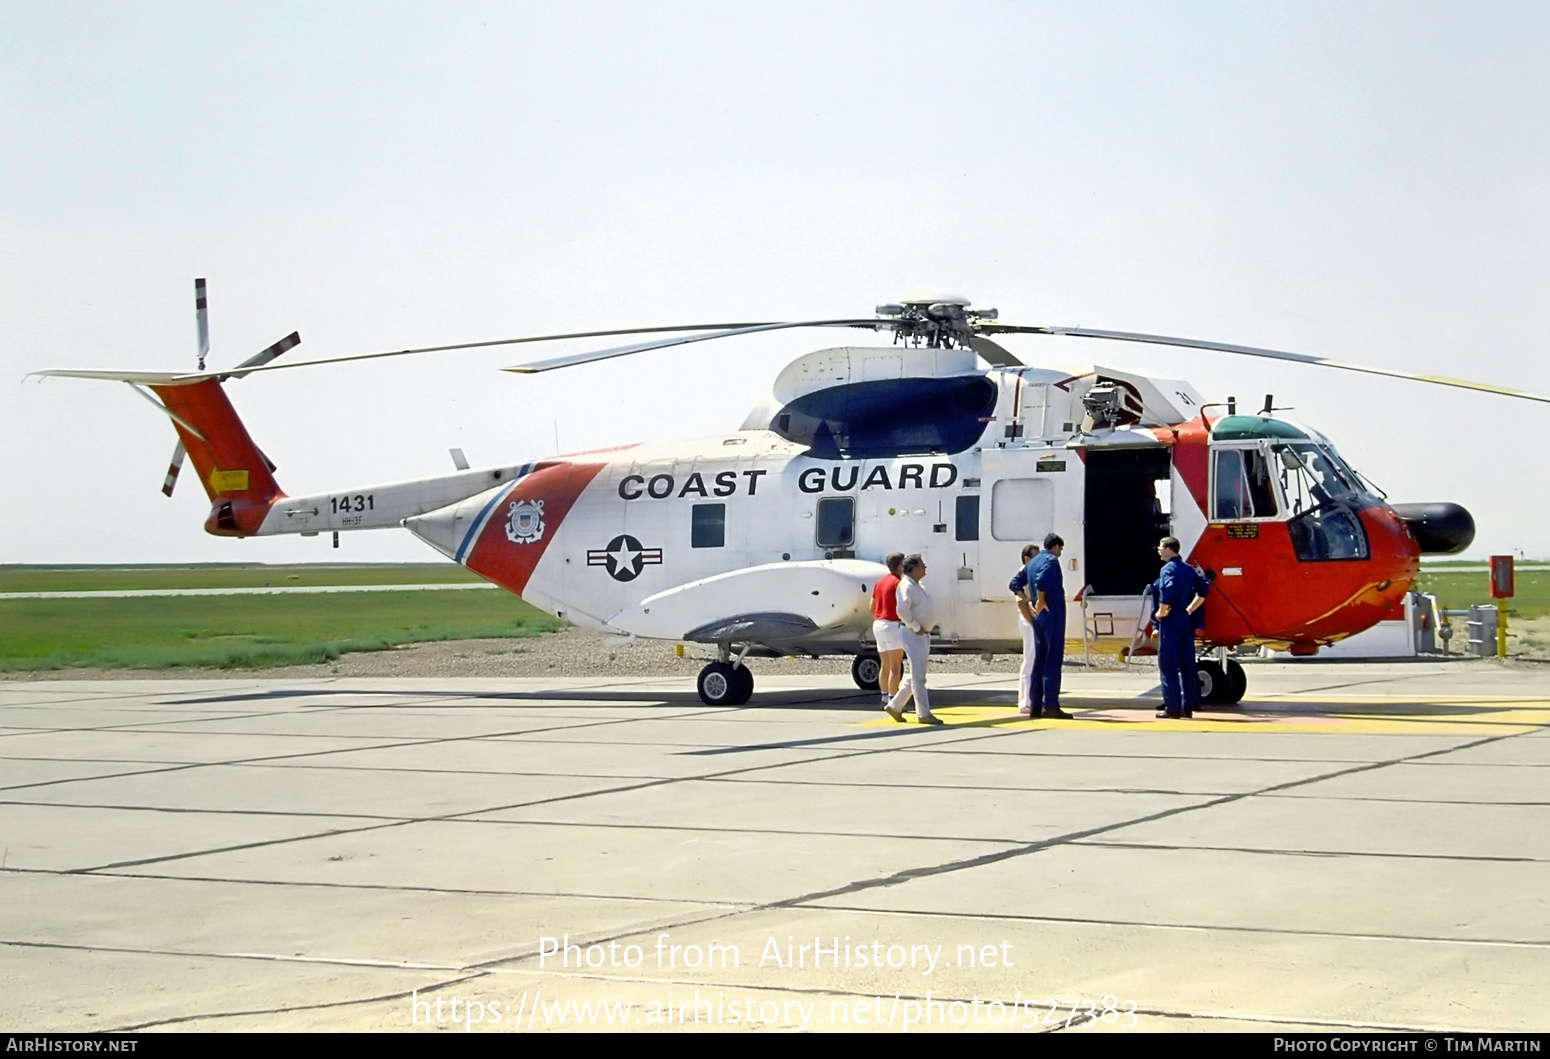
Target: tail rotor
{"type": "Point", "coordinates": [202, 319]}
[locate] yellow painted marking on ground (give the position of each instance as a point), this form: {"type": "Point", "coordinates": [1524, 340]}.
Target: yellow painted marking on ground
{"type": "Point", "coordinates": [1306, 712]}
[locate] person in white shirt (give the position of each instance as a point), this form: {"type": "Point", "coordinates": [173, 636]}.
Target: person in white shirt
{"type": "Point", "coordinates": [916, 619]}
{"type": "Point", "coordinates": [1024, 598]}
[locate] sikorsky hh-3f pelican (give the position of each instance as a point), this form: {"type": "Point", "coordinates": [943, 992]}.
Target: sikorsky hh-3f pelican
{"type": "Point", "coordinates": [766, 539]}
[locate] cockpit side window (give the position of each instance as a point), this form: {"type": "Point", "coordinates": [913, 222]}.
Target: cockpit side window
{"type": "Point", "coordinates": [1243, 486]}
{"type": "Point", "coordinates": [1311, 477]}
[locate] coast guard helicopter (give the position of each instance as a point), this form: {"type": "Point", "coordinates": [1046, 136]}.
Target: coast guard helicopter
{"type": "Point", "coordinates": [767, 539]}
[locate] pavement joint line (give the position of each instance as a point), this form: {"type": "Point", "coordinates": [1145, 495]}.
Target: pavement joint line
{"type": "Point", "coordinates": [1378, 799]}
{"type": "Point", "coordinates": [176, 767]}
{"type": "Point", "coordinates": [290, 1008]}
{"type": "Point", "coordinates": [348, 749]}
{"type": "Point", "coordinates": [1189, 928]}
{"type": "Point", "coordinates": [1336, 853]}
{"type": "Point", "coordinates": [1289, 1020]}
{"type": "Point", "coordinates": [383, 887]}
{"type": "Point", "coordinates": [238, 847]}
{"type": "Point", "coordinates": [1063, 755]}
{"type": "Point", "coordinates": [206, 811]}
{"type": "Point", "coordinates": [923, 785]}
{"type": "Point", "coordinates": [268, 957]}
{"type": "Point", "coordinates": [967, 839]}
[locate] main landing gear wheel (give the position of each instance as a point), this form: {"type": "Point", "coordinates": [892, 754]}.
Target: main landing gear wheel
{"type": "Point", "coordinates": [723, 684]}
{"type": "Point", "coordinates": [867, 672]}
{"type": "Point", "coordinates": [1237, 682]}
{"type": "Point", "coordinates": [1221, 686]}
{"type": "Point", "coordinates": [1214, 686]}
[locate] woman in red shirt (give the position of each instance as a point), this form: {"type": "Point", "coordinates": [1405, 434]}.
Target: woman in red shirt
{"type": "Point", "coordinates": [885, 626]}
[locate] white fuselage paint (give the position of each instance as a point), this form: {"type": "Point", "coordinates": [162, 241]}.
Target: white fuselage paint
{"type": "Point", "coordinates": [772, 494]}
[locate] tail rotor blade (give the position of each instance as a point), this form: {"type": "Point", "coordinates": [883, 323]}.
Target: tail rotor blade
{"type": "Point", "coordinates": [202, 315]}
{"type": "Point", "coordinates": [173, 469]}
{"type": "Point", "coordinates": [259, 359]}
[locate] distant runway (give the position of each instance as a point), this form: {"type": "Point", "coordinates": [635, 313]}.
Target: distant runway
{"type": "Point", "coordinates": [1361, 847]}
{"type": "Point", "coordinates": [278, 590]}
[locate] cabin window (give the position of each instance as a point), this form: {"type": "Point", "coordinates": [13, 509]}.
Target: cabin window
{"type": "Point", "coordinates": [1243, 486]}
{"type": "Point", "coordinates": [709, 526]}
{"type": "Point", "coordinates": [968, 518]}
{"type": "Point", "coordinates": [836, 522]}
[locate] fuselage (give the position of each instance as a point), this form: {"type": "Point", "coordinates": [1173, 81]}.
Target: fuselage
{"type": "Point", "coordinates": [1299, 550]}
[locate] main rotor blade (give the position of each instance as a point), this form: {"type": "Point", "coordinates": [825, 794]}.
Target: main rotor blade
{"type": "Point", "coordinates": [739, 329]}
{"type": "Point", "coordinates": [489, 344]}
{"type": "Point", "coordinates": [993, 354]}
{"type": "Point", "coordinates": [1270, 354]}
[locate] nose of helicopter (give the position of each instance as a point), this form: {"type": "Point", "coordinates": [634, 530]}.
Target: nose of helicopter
{"type": "Point", "coordinates": [1394, 555]}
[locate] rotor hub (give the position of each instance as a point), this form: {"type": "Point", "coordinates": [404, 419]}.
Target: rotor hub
{"type": "Point", "coordinates": [938, 319]}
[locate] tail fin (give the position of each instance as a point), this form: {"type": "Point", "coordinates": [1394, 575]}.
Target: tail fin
{"type": "Point", "coordinates": [238, 478]}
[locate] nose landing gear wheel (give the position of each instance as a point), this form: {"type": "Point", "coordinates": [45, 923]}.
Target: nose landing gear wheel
{"type": "Point", "coordinates": [867, 671]}
{"type": "Point", "coordinates": [723, 684]}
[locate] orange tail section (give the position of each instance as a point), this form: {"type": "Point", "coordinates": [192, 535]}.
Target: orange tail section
{"type": "Point", "coordinates": [238, 478]}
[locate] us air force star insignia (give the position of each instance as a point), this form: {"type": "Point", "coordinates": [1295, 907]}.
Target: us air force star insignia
{"type": "Point", "coordinates": [525, 522]}
{"type": "Point", "coordinates": [624, 557]}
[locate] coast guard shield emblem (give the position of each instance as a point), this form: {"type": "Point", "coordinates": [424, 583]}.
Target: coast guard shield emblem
{"type": "Point", "coordinates": [525, 522]}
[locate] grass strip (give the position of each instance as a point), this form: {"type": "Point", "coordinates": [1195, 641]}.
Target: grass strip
{"type": "Point", "coordinates": [248, 632]}
{"type": "Point", "coordinates": [130, 579]}
{"type": "Point", "coordinates": [1459, 590]}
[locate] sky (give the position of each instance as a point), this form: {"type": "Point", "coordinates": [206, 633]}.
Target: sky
{"type": "Point", "coordinates": [1358, 180]}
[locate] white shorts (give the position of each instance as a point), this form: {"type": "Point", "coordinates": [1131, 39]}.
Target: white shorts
{"type": "Point", "coordinates": [886, 633]}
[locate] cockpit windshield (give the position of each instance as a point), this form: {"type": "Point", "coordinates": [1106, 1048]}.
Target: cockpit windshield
{"type": "Point", "coordinates": [1312, 475]}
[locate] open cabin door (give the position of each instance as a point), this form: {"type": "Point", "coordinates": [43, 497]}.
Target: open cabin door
{"type": "Point", "coordinates": [1128, 510]}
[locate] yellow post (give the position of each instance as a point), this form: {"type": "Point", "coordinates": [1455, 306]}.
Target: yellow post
{"type": "Point", "coordinates": [1501, 628]}
{"type": "Point", "coordinates": [678, 650]}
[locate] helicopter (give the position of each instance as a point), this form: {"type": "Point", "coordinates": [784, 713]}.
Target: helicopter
{"type": "Point", "coordinates": [766, 540]}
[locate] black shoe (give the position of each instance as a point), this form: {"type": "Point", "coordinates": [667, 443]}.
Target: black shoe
{"type": "Point", "coordinates": [1170, 715]}
{"type": "Point", "coordinates": [929, 718]}
{"type": "Point", "coordinates": [1189, 713]}
{"type": "Point", "coordinates": [1055, 713]}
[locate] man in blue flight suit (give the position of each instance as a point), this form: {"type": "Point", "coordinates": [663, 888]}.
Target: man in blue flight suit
{"type": "Point", "coordinates": [1047, 587]}
{"type": "Point", "coordinates": [1179, 592]}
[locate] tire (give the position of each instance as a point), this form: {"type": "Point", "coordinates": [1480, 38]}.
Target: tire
{"type": "Point", "coordinates": [744, 677]}
{"type": "Point", "coordinates": [1214, 686]}
{"type": "Point", "coordinates": [1237, 683]}
{"type": "Point", "coordinates": [867, 672]}
{"type": "Point", "coordinates": [719, 685]}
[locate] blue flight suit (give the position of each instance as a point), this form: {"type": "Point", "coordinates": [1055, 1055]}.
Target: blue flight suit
{"type": "Point", "coordinates": [1049, 632]}
{"type": "Point", "coordinates": [1177, 585]}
